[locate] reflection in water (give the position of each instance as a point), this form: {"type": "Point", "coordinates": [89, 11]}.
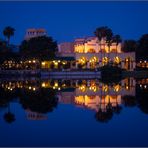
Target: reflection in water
{"type": "Point", "coordinates": [38, 96]}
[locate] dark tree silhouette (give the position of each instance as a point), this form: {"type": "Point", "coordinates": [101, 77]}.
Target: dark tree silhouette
{"type": "Point", "coordinates": [8, 32]}
{"type": "Point", "coordinates": [8, 116]}
{"type": "Point", "coordinates": [129, 101]}
{"type": "Point", "coordinates": [142, 49]}
{"type": "Point", "coordinates": [42, 48]}
{"type": "Point", "coordinates": [129, 46]}
{"type": "Point", "coordinates": [117, 39]}
{"type": "Point", "coordinates": [104, 116]}
{"type": "Point", "coordinates": [43, 101]}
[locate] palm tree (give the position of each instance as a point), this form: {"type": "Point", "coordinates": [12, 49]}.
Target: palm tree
{"type": "Point", "coordinates": [117, 39]}
{"type": "Point", "coordinates": [100, 33]}
{"type": "Point", "coordinates": [9, 117]}
{"type": "Point", "coordinates": [109, 39]}
{"type": "Point", "coordinates": [8, 32]}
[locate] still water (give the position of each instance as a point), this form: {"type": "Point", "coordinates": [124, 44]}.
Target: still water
{"type": "Point", "coordinates": [44, 112]}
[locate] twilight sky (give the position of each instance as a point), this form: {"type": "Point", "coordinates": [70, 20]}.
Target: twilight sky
{"type": "Point", "coordinates": [65, 21]}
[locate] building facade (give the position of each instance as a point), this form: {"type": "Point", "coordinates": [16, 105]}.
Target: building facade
{"type": "Point", "coordinates": [91, 53]}
{"type": "Point", "coordinates": [31, 33]}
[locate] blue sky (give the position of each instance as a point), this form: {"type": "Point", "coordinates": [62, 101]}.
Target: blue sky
{"type": "Point", "coordinates": [65, 21]}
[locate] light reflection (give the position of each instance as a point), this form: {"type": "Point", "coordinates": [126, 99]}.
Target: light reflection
{"type": "Point", "coordinates": [88, 94]}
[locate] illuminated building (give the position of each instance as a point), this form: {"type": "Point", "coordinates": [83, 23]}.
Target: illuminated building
{"type": "Point", "coordinates": [90, 53]}
{"type": "Point", "coordinates": [31, 33]}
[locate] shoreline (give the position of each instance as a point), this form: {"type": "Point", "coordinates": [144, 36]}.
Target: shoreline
{"type": "Point", "coordinates": [67, 74]}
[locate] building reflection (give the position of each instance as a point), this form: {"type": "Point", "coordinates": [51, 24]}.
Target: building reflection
{"type": "Point", "coordinates": [39, 96]}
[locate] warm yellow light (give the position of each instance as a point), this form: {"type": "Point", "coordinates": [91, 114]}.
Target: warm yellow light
{"type": "Point", "coordinates": [43, 63]}
{"type": "Point", "coordinates": [34, 61]}
{"type": "Point", "coordinates": [29, 87]}
{"type": "Point", "coordinates": [56, 84]}
{"type": "Point", "coordinates": [29, 61]}
{"type": "Point", "coordinates": [43, 85]}
{"type": "Point", "coordinates": [56, 63]}
{"type": "Point", "coordinates": [34, 88]}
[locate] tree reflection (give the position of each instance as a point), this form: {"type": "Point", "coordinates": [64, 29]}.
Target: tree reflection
{"type": "Point", "coordinates": [104, 116]}
{"type": "Point", "coordinates": [142, 98]}
{"type": "Point", "coordinates": [129, 101]}
{"type": "Point", "coordinates": [42, 101]}
{"type": "Point", "coordinates": [117, 109]}
{"type": "Point", "coordinates": [8, 116]}
{"type": "Point", "coordinates": [6, 96]}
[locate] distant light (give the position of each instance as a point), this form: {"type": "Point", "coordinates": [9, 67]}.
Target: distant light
{"type": "Point", "coordinates": [34, 88]}
{"type": "Point", "coordinates": [144, 61]}
{"type": "Point", "coordinates": [43, 84]}
{"type": "Point", "coordinates": [140, 85]}
{"type": "Point", "coordinates": [29, 87]}
{"type": "Point", "coordinates": [145, 86]}
{"type": "Point", "coordinates": [43, 63]}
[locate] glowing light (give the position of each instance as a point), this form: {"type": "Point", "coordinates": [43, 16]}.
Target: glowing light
{"type": "Point", "coordinates": [43, 63]}
{"type": "Point", "coordinates": [29, 61]}
{"type": "Point", "coordinates": [43, 85]}
{"type": "Point", "coordinates": [34, 88]}
{"type": "Point", "coordinates": [145, 86]}
{"type": "Point", "coordinates": [29, 87]}
{"type": "Point", "coordinates": [127, 87]}
{"type": "Point", "coordinates": [56, 84]}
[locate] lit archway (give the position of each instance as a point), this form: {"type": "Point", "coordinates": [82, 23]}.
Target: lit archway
{"type": "Point", "coordinates": [93, 62]}
{"type": "Point", "coordinates": [82, 62]}
{"type": "Point", "coordinates": [117, 60]}
{"type": "Point", "coordinates": [105, 60]}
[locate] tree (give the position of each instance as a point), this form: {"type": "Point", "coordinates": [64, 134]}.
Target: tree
{"type": "Point", "coordinates": [117, 39]}
{"type": "Point", "coordinates": [142, 49]}
{"type": "Point", "coordinates": [129, 46]}
{"type": "Point", "coordinates": [109, 39]}
{"type": "Point", "coordinates": [41, 48]}
{"type": "Point", "coordinates": [100, 33]}
{"type": "Point", "coordinates": [8, 32]}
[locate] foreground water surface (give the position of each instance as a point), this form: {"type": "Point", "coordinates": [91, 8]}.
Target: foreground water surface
{"type": "Point", "coordinates": [44, 112]}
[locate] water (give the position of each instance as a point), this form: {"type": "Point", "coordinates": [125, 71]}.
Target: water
{"type": "Point", "coordinates": [47, 112]}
